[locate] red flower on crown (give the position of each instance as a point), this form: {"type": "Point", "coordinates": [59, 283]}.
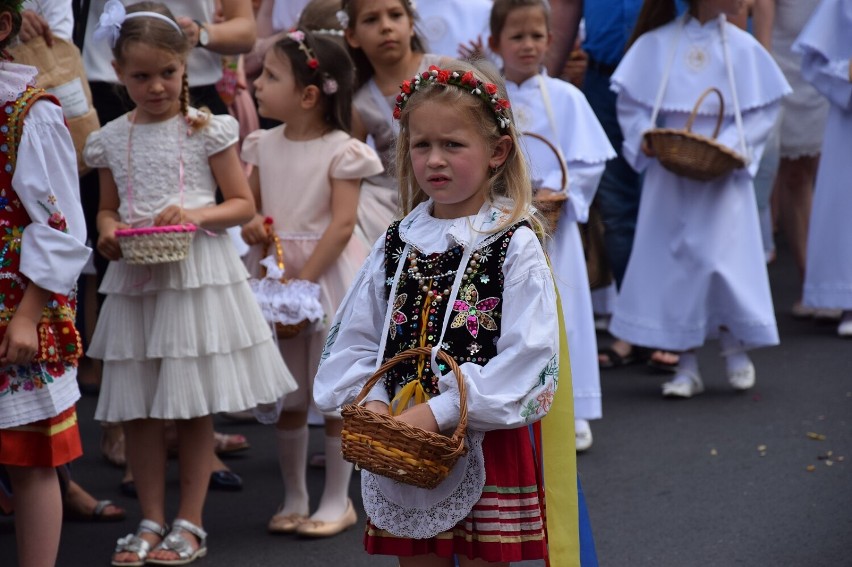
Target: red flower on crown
{"type": "Point", "coordinates": [397, 112]}
{"type": "Point", "coordinates": [313, 63]}
{"type": "Point", "coordinates": [406, 87]}
{"type": "Point", "coordinates": [443, 76]}
{"type": "Point", "coordinates": [490, 88]}
{"type": "Point", "coordinates": [469, 79]}
{"type": "Point", "coordinates": [502, 104]}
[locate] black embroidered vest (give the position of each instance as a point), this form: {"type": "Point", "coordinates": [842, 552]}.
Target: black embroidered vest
{"type": "Point", "coordinates": [422, 298]}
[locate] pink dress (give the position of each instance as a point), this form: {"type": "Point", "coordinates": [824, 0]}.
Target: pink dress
{"type": "Point", "coordinates": [296, 191]}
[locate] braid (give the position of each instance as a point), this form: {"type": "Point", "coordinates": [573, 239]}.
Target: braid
{"type": "Point", "coordinates": [184, 94]}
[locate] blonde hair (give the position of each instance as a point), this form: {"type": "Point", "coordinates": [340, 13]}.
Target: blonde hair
{"type": "Point", "coordinates": [511, 179]}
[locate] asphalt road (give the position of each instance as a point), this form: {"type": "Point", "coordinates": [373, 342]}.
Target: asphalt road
{"type": "Point", "coordinates": [718, 480]}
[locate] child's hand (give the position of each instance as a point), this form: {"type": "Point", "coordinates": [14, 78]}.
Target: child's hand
{"type": "Point", "coordinates": [254, 231]}
{"type": "Point", "coordinates": [174, 214]}
{"type": "Point", "coordinates": [420, 416]}
{"type": "Point", "coordinates": [108, 244]}
{"type": "Point", "coordinates": [20, 344]}
{"type": "Point", "coordinates": [377, 407]}
{"type": "Point", "coordinates": [474, 49]}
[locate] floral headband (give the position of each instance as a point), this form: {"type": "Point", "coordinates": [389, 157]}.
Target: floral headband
{"type": "Point", "coordinates": [113, 16]}
{"type": "Point", "coordinates": [466, 81]}
{"type": "Point", "coordinates": [329, 85]}
{"type": "Point", "coordinates": [14, 5]}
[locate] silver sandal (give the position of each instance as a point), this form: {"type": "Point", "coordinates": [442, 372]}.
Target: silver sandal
{"type": "Point", "coordinates": [133, 543]}
{"type": "Point", "coordinates": [176, 542]}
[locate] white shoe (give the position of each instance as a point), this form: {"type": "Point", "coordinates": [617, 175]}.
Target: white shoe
{"type": "Point", "coordinates": [844, 330]}
{"type": "Point", "coordinates": [684, 385]}
{"type": "Point", "coordinates": [582, 435]}
{"type": "Point", "coordinates": [742, 378]}
{"type": "Point", "coordinates": [802, 311]}
{"type": "Point", "coordinates": [828, 315]}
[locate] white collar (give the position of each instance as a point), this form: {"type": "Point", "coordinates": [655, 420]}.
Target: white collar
{"type": "Point", "coordinates": [431, 235]}
{"type": "Point", "coordinates": [14, 79]}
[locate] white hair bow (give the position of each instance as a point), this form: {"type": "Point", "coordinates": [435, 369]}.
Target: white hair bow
{"type": "Point", "coordinates": [109, 24]}
{"type": "Point", "coordinates": [113, 16]}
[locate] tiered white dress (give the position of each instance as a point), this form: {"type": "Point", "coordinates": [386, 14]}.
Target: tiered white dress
{"type": "Point", "coordinates": [182, 339]}
{"type": "Point", "coordinates": [296, 191]}
{"type": "Point", "coordinates": [586, 149]}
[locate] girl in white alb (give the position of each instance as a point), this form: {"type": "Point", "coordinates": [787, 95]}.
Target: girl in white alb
{"type": "Point", "coordinates": [826, 44]}
{"type": "Point", "coordinates": [697, 269]}
{"type": "Point", "coordinates": [557, 111]}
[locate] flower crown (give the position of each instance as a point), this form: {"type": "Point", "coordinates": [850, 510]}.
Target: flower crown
{"type": "Point", "coordinates": [462, 80]}
{"type": "Point", "coordinates": [14, 5]}
{"type": "Point", "coordinates": [329, 85]}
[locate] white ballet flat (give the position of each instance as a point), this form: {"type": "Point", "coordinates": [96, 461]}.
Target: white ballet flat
{"type": "Point", "coordinates": [684, 385]}
{"type": "Point", "coordinates": [742, 378]}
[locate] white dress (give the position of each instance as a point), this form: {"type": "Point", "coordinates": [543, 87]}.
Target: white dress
{"type": "Point", "coordinates": [803, 113]}
{"type": "Point", "coordinates": [827, 46]}
{"type": "Point", "coordinates": [586, 149]}
{"type": "Point", "coordinates": [181, 339]}
{"type": "Point", "coordinates": [445, 24]}
{"type": "Point", "coordinates": [697, 261]}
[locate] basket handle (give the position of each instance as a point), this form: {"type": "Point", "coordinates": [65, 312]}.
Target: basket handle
{"type": "Point", "coordinates": [413, 353]}
{"type": "Point", "coordinates": [562, 167]}
{"type": "Point", "coordinates": [698, 105]}
{"type": "Point", "coordinates": [275, 241]}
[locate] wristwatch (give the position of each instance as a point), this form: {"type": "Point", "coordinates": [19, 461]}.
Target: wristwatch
{"type": "Point", "coordinates": [203, 34]}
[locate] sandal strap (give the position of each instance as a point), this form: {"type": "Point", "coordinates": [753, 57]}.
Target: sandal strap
{"type": "Point", "coordinates": [152, 527]}
{"type": "Point", "coordinates": [133, 543]}
{"type": "Point", "coordinates": [177, 542]}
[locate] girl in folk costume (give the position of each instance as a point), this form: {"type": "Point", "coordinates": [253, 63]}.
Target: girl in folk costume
{"type": "Point", "coordinates": [826, 45]}
{"type": "Point", "coordinates": [180, 340]}
{"type": "Point", "coordinates": [44, 251]}
{"type": "Point", "coordinates": [386, 51]}
{"type": "Point", "coordinates": [307, 179]}
{"type": "Point", "coordinates": [520, 34]}
{"type": "Point", "coordinates": [463, 271]}
{"type": "Point", "coordinates": [697, 268]}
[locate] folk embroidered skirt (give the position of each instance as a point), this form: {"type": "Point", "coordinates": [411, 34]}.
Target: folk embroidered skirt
{"type": "Point", "coordinates": [45, 443]}
{"type": "Point", "coordinates": [506, 524]}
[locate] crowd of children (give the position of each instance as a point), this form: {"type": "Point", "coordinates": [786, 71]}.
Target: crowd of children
{"type": "Point", "coordinates": [408, 185]}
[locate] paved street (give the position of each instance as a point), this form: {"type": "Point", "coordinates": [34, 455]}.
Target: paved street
{"type": "Point", "coordinates": [719, 480]}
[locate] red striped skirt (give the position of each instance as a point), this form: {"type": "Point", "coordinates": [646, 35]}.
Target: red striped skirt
{"type": "Point", "coordinates": [506, 524]}
{"type": "Point", "coordinates": [45, 443]}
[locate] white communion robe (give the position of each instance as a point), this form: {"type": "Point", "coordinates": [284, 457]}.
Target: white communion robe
{"type": "Point", "coordinates": [826, 43]}
{"type": "Point", "coordinates": [586, 149]}
{"type": "Point", "coordinates": [697, 261]}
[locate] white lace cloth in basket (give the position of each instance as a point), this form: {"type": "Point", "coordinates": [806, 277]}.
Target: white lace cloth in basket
{"type": "Point", "coordinates": [289, 302]}
{"type": "Point", "coordinates": [421, 513]}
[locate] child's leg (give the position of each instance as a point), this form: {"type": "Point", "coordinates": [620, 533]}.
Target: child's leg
{"type": "Point", "coordinates": [195, 460]}
{"type": "Point", "coordinates": [687, 380]}
{"type": "Point", "coordinates": [335, 504]}
{"type": "Point", "coordinates": [146, 456]}
{"type": "Point", "coordinates": [38, 514]}
{"type": "Point", "coordinates": [741, 373]}
{"type": "Point", "coordinates": [292, 434]}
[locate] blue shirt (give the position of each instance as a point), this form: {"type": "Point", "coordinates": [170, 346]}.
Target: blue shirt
{"type": "Point", "coordinates": [609, 24]}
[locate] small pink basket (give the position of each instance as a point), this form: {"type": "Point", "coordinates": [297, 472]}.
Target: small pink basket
{"type": "Point", "coordinates": [155, 244]}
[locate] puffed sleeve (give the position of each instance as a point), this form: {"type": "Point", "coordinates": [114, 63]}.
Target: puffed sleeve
{"type": "Point", "coordinates": [94, 152]}
{"type": "Point", "coordinates": [250, 148]}
{"type": "Point", "coordinates": [220, 133]}
{"type": "Point", "coordinates": [515, 387]}
{"type": "Point", "coordinates": [829, 76]}
{"type": "Point", "coordinates": [53, 249]}
{"type": "Point", "coordinates": [356, 160]}
{"type": "Point", "coordinates": [351, 352]}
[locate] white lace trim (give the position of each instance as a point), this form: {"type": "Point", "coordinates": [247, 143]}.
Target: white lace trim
{"type": "Point", "coordinates": [420, 513]}
{"type": "Point", "coordinates": [14, 79]}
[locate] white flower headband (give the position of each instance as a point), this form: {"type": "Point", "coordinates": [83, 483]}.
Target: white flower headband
{"type": "Point", "coordinates": [329, 85]}
{"type": "Point", "coordinates": [113, 16]}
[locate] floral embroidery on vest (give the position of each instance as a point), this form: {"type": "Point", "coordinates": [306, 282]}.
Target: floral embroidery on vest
{"type": "Point", "coordinates": [423, 296]}
{"type": "Point", "coordinates": [59, 342]}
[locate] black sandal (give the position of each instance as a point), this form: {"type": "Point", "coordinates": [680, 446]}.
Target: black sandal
{"type": "Point", "coordinates": [663, 366]}
{"type": "Point", "coordinates": [636, 355]}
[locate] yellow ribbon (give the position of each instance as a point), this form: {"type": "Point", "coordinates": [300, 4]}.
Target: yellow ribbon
{"type": "Point", "coordinates": [411, 390]}
{"type": "Point", "coordinates": [560, 464]}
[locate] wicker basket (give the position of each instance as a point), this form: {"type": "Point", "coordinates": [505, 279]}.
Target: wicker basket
{"type": "Point", "coordinates": [691, 155]}
{"type": "Point", "coordinates": [388, 447]}
{"type": "Point", "coordinates": [155, 244]}
{"type": "Point", "coordinates": [282, 331]}
{"type": "Point", "coordinates": [549, 203]}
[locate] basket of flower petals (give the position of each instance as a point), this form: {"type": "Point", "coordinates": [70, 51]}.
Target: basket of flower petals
{"type": "Point", "coordinates": [155, 244]}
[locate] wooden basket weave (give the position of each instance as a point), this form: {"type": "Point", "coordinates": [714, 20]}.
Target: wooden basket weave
{"type": "Point", "coordinates": [549, 203]}
{"type": "Point", "coordinates": [692, 155]}
{"type": "Point", "coordinates": [282, 331]}
{"type": "Point", "coordinates": [155, 244]}
{"type": "Point", "coordinates": [388, 447]}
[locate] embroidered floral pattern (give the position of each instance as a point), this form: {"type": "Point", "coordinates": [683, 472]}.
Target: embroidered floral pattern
{"type": "Point", "coordinates": [473, 312]}
{"type": "Point", "coordinates": [18, 379]}
{"type": "Point", "coordinates": [398, 318]}
{"type": "Point", "coordinates": [536, 407]}
{"type": "Point", "coordinates": [329, 341]}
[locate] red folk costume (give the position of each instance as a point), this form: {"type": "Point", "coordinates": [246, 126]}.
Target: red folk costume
{"type": "Point", "coordinates": [38, 422]}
